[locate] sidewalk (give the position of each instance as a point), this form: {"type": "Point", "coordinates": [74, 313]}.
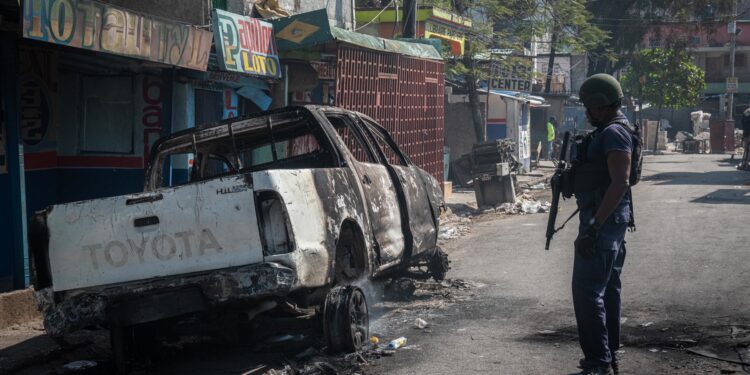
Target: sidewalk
{"type": "Point", "coordinates": [22, 337]}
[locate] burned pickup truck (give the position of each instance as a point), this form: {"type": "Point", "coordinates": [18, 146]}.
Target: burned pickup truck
{"type": "Point", "coordinates": [298, 203]}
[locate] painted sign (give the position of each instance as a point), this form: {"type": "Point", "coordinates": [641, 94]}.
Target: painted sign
{"type": "Point", "coordinates": [102, 27]}
{"type": "Point", "coordinates": [513, 74]}
{"type": "Point", "coordinates": [732, 84]}
{"type": "Point", "coordinates": [325, 69]}
{"type": "Point", "coordinates": [151, 116]}
{"type": "Point", "coordinates": [245, 45]}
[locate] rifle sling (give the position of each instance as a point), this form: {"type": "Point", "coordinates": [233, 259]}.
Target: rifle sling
{"type": "Point", "coordinates": [567, 220]}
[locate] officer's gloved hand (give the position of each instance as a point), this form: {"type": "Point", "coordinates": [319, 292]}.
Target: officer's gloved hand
{"type": "Point", "coordinates": [585, 244]}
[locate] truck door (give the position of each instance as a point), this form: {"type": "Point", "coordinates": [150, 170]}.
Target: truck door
{"type": "Point", "coordinates": [381, 200]}
{"type": "Point", "coordinates": [421, 219]}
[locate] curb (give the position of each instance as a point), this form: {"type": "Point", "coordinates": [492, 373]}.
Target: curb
{"type": "Point", "coordinates": [18, 307]}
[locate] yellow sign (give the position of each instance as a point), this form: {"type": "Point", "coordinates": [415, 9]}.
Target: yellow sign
{"type": "Point", "coordinates": [297, 31]}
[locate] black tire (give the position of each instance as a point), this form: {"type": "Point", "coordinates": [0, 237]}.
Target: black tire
{"type": "Point", "coordinates": [346, 323]}
{"type": "Point", "coordinates": [439, 265]}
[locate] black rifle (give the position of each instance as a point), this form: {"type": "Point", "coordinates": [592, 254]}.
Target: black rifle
{"type": "Point", "coordinates": [556, 183]}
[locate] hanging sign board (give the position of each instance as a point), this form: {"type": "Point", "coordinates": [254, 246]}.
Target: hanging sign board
{"type": "Point", "coordinates": [732, 83]}
{"type": "Point", "coordinates": [245, 45]}
{"type": "Point", "coordinates": [514, 74]}
{"type": "Point", "coordinates": [102, 27]}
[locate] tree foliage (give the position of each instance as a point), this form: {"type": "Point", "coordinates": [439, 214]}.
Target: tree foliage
{"type": "Point", "coordinates": [666, 78]}
{"type": "Point", "coordinates": [628, 21]}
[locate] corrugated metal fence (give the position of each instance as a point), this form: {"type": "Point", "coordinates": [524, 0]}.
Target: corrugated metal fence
{"type": "Point", "coordinates": [403, 94]}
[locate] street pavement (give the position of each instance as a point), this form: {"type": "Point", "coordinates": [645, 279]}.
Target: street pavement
{"type": "Point", "coordinates": [507, 308]}
{"type": "Point", "coordinates": [685, 284]}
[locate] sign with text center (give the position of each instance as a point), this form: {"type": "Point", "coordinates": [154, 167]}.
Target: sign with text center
{"type": "Point", "coordinates": [245, 45]}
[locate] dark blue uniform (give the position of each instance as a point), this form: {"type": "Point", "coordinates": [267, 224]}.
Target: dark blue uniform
{"type": "Point", "coordinates": [596, 281]}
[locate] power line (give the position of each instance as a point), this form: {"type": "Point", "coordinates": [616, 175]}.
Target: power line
{"type": "Point", "coordinates": [377, 17]}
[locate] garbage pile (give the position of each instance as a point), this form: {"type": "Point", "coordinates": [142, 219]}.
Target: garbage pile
{"type": "Point", "coordinates": [525, 204]}
{"type": "Point", "coordinates": [453, 226]}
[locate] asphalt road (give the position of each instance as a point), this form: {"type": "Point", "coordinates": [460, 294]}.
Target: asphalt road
{"type": "Point", "coordinates": [508, 307]}
{"type": "Point", "coordinates": [685, 284]}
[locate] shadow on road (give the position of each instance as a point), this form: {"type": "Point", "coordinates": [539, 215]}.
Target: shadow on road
{"type": "Point", "coordinates": [728, 177]}
{"type": "Point", "coordinates": [725, 196]}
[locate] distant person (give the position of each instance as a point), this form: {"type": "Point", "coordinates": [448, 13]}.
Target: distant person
{"type": "Point", "coordinates": [745, 164]}
{"type": "Point", "coordinates": [551, 128]}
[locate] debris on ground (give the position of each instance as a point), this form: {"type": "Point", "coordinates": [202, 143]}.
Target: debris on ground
{"type": "Point", "coordinates": [420, 323]}
{"type": "Point", "coordinates": [453, 226]}
{"type": "Point", "coordinates": [397, 343]}
{"type": "Point", "coordinates": [77, 367]}
{"type": "Point", "coordinates": [525, 204]}
{"type": "Point", "coordinates": [400, 289]}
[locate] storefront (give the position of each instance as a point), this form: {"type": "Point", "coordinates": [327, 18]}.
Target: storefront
{"type": "Point", "coordinates": [94, 90]}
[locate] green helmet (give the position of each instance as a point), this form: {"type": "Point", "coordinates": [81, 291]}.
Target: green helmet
{"type": "Point", "coordinates": [600, 90]}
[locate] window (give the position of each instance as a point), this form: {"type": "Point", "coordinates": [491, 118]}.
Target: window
{"type": "Point", "coordinates": [351, 138]}
{"type": "Point", "coordinates": [177, 169]}
{"type": "Point", "coordinates": [209, 106]}
{"type": "Point", "coordinates": [108, 120]}
{"type": "Point", "coordinates": [291, 140]}
{"type": "Point", "coordinates": [654, 42]}
{"type": "Point", "coordinates": [739, 60]}
{"type": "Point", "coordinates": [385, 143]}
{"type": "Point", "coordinates": [288, 143]}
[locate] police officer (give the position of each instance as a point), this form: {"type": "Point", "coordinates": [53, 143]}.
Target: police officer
{"type": "Point", "coordinates": [601, 174]}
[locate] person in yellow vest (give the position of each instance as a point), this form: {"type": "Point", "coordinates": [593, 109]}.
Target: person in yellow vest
{"type": "Point", "coordinates": [551, 127]}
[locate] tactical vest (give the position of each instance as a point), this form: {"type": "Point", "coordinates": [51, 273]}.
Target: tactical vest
{"type": "Point", "coordinates": [593, 174]}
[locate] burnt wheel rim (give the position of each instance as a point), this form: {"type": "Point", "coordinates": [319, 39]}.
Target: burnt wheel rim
{"type": "Point", "coordinates": [358, 318]}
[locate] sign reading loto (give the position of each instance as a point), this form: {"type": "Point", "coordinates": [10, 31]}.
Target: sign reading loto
{"type": "Point", "coordinates": [245, 45]}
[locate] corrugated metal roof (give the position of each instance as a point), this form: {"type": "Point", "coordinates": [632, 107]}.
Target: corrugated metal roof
{"type": "Point", "coordinates": [425, 51]}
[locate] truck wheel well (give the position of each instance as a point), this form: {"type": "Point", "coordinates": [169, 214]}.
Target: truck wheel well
{"type": "Point", "coordinates": [351, 253]}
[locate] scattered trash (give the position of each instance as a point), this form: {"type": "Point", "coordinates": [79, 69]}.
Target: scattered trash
{"type": "Point", "coordinates": [420, 323]}
{"type": "Point", "coordinates": [374, 340]}
{"type": "Point", "coordinates": [397, 343]}
{"type": "Point", "coordinates": [539, 186]}
{"type": "Point", "coordinates": [399, 289]}
{"type": "Point", "coordinates": [77, 366]}
{"type": "Point", "coordinates": [525, 204]}
{"type": "Point", "coordinates": [623, 320]}
{"type": "Point", "coordinates": [654, 350]}
{"type": "Point", "coordinates": [547, 332]}
{"type": "Point", "coordinates": [647, 324]}
{"type": "Point", "coordinates": [453, 226]}
{"type": "Point", "coordinates": [530, 207]}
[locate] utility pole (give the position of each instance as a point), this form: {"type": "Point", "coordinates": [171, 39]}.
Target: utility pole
{"type": "Point", "coordinates": [410, 19]}
{"type": "Point", "coordinates": [487, 104]}
{"type": "Point", "coordinates": [732, 50]}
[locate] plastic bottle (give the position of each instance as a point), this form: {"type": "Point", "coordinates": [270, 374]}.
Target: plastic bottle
{"type": "Point", "coordinates": [397, 343]}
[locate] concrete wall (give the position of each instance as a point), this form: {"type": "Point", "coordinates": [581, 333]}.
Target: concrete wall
{"type": "Point", "coordinates": [198, 12]}
{"type": "Point", "coordinates": [460, 135]}
{"type": "Point", "coordinates": [340, 12]}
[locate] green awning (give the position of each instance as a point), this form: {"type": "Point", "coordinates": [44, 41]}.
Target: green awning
{"type": "Point", "coordinates": [313, 28]}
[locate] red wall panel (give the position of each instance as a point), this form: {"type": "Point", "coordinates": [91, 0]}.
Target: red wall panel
{"type": "Point", "coordinates": [404, 94]}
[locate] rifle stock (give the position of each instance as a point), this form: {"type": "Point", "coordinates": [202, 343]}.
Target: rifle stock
{"type": "Point", "coordinates": [556, 184]}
